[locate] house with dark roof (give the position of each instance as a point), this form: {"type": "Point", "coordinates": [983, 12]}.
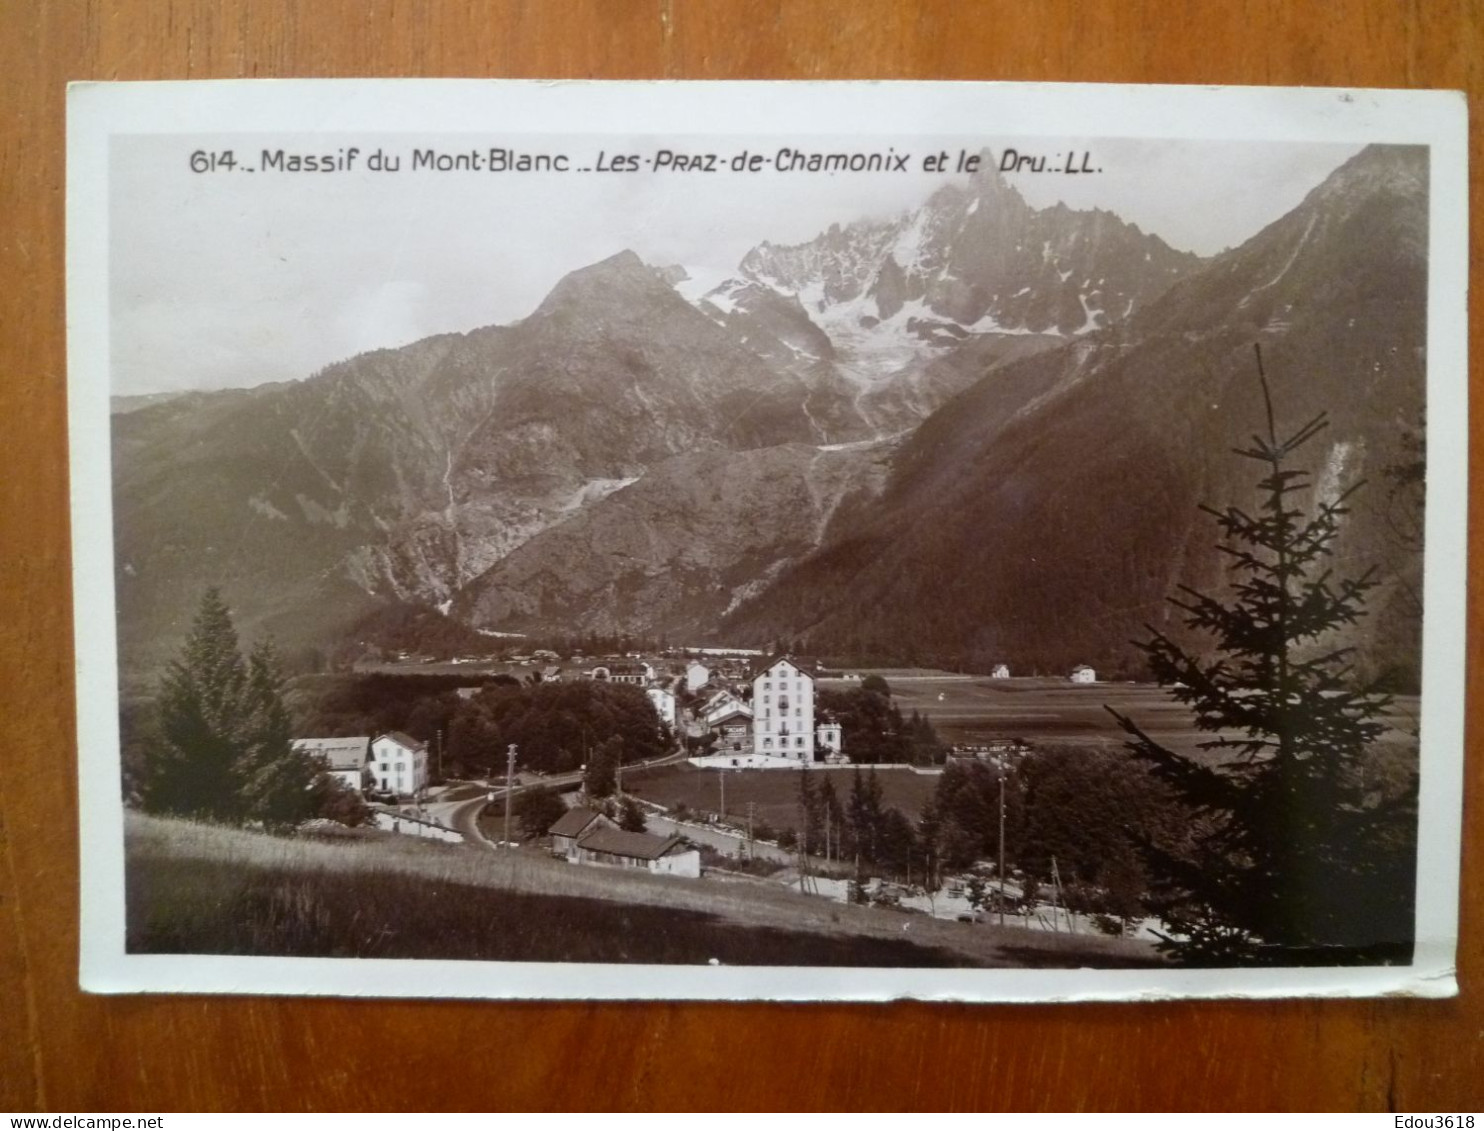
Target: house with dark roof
{"type": "Point", "coordinates": [345, 758]}
{"type": "Point", "coordinates": [399, 763]}
{"type": "Point", "coordinates": [585, 836]}
{"type": "Point", "coordinates": [617, 848]}
{"type": "Point", "coordinates": [572, 825]}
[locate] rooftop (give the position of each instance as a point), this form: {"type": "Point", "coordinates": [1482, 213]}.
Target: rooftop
{"type": "Point", "coordinates": [806, 666]}
{"type": "Point", "coordinates": [341, 753]}
{"type": "Point", "coordinates": [636, 846]}
{"type": "Point", "coordinates": [573, 821]}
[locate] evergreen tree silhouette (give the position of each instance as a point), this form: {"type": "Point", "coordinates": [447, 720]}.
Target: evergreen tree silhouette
{"type": "Point", "coordinates": [1287, 858]}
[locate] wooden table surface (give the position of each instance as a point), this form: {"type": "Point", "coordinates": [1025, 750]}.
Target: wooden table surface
{"type": "Point", "coordinates": [61, 1050]}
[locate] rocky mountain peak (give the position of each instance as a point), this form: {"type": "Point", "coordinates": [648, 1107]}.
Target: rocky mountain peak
{"type": "Point", "coordinates": [620, 279]}
{"type": "Point", "coordinates": [1394, 170]}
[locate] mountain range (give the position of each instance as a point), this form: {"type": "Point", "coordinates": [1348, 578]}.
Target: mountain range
{"type": "Point", "coordinates": [977, 430]}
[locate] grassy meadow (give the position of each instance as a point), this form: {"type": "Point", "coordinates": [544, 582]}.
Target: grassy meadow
{"type": "Point", "coordinates": [775, 793]}
{"type": "Point", "coordinates": [200, 889]}
{"type": "Point", "coordinates": [1050, 709]}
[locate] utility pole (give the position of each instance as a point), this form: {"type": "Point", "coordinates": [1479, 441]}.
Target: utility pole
{"type": "Point", "coordinates": [1001, 866]}
{"type": "Point", "coordinates": [1055, 897]}
{"type": "Point", "coordinates": [721, 776]}
{"type": "Point", "coordinates": [751, 847]}
{"type": "Point", "coordinates": [509, 785]}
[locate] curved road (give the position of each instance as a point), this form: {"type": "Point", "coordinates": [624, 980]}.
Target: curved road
{"type": "Point", "coordinates": [463, 816]}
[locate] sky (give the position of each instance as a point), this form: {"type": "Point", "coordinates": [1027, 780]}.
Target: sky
{"type": "Point", "coordinates": [227, 279]}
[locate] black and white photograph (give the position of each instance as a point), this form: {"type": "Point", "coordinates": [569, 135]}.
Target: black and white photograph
{"type": "Point", "coordinates": [761, 540]}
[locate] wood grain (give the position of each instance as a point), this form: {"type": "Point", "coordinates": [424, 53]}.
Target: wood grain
{"type": "Point", "coordinates": [61, 1050]}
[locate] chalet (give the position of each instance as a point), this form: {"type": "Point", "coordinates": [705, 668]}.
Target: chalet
{"type": "Point", "coordinates": [667, 855]}
{"type": "Point", "coordinates": [572, 826]}
{"type": "Point", "coordinates": [783, 710]}
{"type": "Point", "coordinates": [734, 731]}
{"type": "Point", "coordinates": [719, 704]}
{"type": "Point", "coordinates": [1001, 671]}
{"type": "Point", "coordinates": [399, 763]}
{"type": "Point", "coordinates": [1084, 674]}
{"type": "Point", "coordinates": [345, 758]}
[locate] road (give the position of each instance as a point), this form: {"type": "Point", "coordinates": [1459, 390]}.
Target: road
{"type": "Point", "coordinates": [463, 816]}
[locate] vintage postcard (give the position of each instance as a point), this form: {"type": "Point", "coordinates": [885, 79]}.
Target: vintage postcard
{"type": "Point", "coordinates": [762, 540]}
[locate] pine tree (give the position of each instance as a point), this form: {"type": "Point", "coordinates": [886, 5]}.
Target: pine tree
{"type": "Point", "coordinates": [833, 816]}
{"type": "Point", "coordinates": [601, 776]}
{"type": "Point", "coordinates": [631, 817]}
{"type": "Point", "coordinates": [811, 813]}
{"type": "Point", "coordinates": [864, 815]}
{"type": "Point", "coordinates": [226, 738]}
{"type": "Point", "coordinates": [1286, 858]}
{"type": "Point", "coordinates": [193, 771]}
{"type": "Point", "coordinates": [275, 781]}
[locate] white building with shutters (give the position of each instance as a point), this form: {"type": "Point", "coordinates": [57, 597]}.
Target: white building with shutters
{"type": "Point", "coordinates": [783, 710]}
{"type": "Point", "coordinates": [399, 763]}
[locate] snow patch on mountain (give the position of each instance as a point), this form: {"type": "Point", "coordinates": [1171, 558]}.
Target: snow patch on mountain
{"type": "Point", "coordinates": [595, 491]}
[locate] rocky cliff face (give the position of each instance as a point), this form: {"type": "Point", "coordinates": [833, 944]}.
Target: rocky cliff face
{"type": "Point", "coordinates": [678, 549]}
{"type": "Point", "coordinates": [977, 259]}
{"type": "Point", "coordinates": [973, 265]}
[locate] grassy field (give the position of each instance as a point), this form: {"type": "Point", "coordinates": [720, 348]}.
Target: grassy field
{"type": "Point", "coordinates": [973, 709]}
{"type": "Point", "coordinates": [775, 793]}
{"type": "Point", "coordinates": [197, 889]}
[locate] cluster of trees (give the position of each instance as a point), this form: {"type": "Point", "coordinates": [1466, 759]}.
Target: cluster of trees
{"type": "Point", "coordinates": [408, 626]}
{"type": "Point", "coordinates": [422, 706]}
{"type": "Point", "coordinates": [1082, 812]}
{"type": "Point", "coordinates": [557, 726]}
{"type": "Point", "coordinates": [220, 743]}
{"type": "Point", "coordinates": [859, 828]}
{"type": "Point", "coordinates": [873, 728]}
